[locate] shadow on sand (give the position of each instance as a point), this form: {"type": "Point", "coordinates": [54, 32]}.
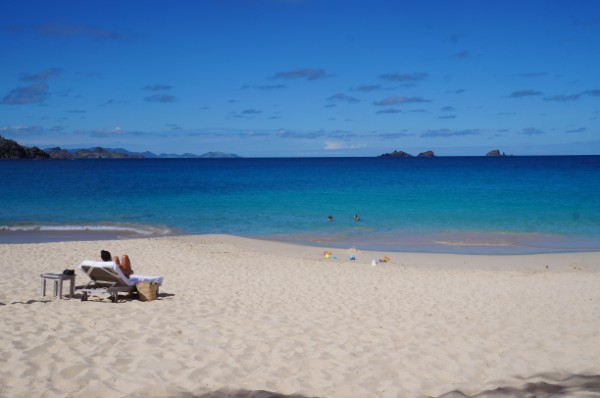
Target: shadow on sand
{"type": "Point", "coordinates": [544, 385]}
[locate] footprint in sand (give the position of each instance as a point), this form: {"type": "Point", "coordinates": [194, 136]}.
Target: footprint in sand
{"type": "Point", "coordinates": [71, 371]}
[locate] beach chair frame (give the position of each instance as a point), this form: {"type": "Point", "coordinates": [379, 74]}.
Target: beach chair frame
{"type": "Point", "coordinates": [105, 279]}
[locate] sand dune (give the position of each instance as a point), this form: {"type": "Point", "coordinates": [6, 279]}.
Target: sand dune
{"type": "Point", "coordinates": [246, 318]}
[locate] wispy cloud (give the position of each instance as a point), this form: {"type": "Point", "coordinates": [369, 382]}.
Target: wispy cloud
{"type": "Point", "coordinates": [251, 111]}
{"type": "Point", "coordinates": [524, 93]}
{"type": "Point", "coordinates": [341, 97]}
{"type": "Point", "coordinates": [161, 98]}
{"type": "Point", "coordinates": [108, 132]}
{"type": "Point", "coordinates": [309, 135]}
{"type": "Point", "coordinates": [265, 87]}
{"type": "Point", "coordinates": [332, 145]}
{"type": "Point", "coordinates": [399, 100]}
{"type": "Point", "coordinates": [253, 134]}
{"type": "Point", "coordinates": [595, 93]}
{"type": "Point", "coordinates": [404, 77]}
{"type": "Point", "coordinates": [66, 30]}
{"type": "Point", "coordinates": [389, 111]}
{"type": "Point", "coordinates": [157, 87]}
{"type": "Point", "coordinates": [244, 114]}
{"type": "Point", "coordinates": [563, 98]}
{"type": "Point", "coordinates": [34, 93]}
{"type": "Point", "coordinates": [461, 54]}
{"type": "Point", "coordinates": [40, 76]}
{"type": "Point", "coordinates": [533, 74]}
{"type": "Point", "coordinates": [579, 130]}
{"type": "Point", "coordinates": [174, 126]}
{"type": "Point", "coordinates": [455, 37]}
{"type": "Point", "coordinates": [532, 131]}
{"type": "Point", "coordinates": [302, 73]}
{"type": "Point", "coordinates": [368, 87]}
{"type": "Point", "coordinates": [388, 136]}
{"type": "Point", "coordinates": [449, 133]}
{"type": "Point", "coordinates": [21, 130]}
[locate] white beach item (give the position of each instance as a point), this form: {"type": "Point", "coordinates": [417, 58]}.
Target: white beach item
{"type": "Point", "coordinates": [107, 278]}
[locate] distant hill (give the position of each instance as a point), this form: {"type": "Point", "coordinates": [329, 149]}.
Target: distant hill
{"type": "Point", "coordinates": [120, 153]}
{"type": "Point", "coordinates": [216, 155]}
{"type": "Point", "coordinates": [124, 153]}
{"type": "Point", "coordinates": [9, 149]}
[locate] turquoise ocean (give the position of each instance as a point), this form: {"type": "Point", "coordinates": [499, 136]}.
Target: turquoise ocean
{"type": "Point", "coordinates": [493, 205]}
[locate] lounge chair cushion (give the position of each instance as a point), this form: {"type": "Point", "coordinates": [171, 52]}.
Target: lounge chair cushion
{"type": "Point", "coordinates": [133, 278]}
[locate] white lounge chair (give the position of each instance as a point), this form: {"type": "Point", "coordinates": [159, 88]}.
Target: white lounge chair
{"type": "Point", "coordinates": [107, 278]}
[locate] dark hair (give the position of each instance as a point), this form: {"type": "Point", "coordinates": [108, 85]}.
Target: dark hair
{"type": "Point", "coordinates": [105, 256]}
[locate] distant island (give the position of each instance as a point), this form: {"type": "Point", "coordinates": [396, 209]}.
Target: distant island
{"type": "Point", "coordinates": [430, 154]}
{"type": "Point", "coordinates": [496, 152]}
{"type": "Point", "coordinates": [402, 154]}
{"type": "Point", "coordinates": [10, 149]}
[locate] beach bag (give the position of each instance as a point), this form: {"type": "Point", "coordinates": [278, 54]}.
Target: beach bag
{"type": "Point", "coordinates": [147, 291]}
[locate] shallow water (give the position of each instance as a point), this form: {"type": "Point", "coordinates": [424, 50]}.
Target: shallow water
{"type": "Point", "coordinates": [499, 205]}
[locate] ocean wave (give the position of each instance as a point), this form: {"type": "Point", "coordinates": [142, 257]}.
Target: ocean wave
{"type": "Point", "coordinates": [128, 229]}
{"type": "Point", "coordinates": [467, 243]}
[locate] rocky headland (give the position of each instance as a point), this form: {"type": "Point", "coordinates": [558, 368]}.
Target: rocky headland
{"type": "Point", "coordinates": [9, 149]}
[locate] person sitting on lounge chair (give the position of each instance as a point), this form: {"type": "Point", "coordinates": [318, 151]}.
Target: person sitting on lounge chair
{"type": "Point", "coordinates": [124, 264]}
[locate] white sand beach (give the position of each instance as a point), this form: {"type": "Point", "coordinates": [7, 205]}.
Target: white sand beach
{"type": "Point", "coordinates": [239, 314]}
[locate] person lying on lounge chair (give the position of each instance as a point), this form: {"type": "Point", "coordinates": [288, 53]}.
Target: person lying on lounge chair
{"type": "Point", "coordinates": [124, 263]}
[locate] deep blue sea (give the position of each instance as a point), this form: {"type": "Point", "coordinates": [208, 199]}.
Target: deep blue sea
{"type": "Point", "coordinates": [496, 205]}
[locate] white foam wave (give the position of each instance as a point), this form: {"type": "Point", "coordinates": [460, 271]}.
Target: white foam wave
{"type": "Point", "coordinates": [464, 243]}
{"type": "Point", "coordinates": [144, 230]}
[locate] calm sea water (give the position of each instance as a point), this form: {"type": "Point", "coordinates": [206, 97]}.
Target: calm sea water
{"type": "Point", "coordinates": [499, 205]}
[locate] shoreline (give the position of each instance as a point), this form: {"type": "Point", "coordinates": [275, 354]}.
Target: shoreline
{"type": "Point", "coordinates": [238, 314]}
{"type": "Point", "coordinates": [491, 243]}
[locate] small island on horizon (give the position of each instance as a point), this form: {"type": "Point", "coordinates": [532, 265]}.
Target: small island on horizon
{"type": "Point", "coordinates": [430, 154]}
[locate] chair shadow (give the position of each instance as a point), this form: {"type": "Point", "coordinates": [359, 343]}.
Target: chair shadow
{"type": "Point", "coordinates": [78, 296]}
{"type": "Point", "coordinates": [29, 302]}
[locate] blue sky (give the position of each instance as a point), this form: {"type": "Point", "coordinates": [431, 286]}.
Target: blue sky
{"type": "Point", "coordinates": [303, 78]}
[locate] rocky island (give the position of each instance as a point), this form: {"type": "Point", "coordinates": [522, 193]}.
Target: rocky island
{"type": "Point", "coordinates": [496, 152]}
{"type": "Point", "coordinates": [396, 154]}
{"type": "Point", "coordinates": [402, 154]}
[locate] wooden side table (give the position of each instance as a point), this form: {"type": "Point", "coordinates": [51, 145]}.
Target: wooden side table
{"type": "Point", "coordinates": [58, 278]}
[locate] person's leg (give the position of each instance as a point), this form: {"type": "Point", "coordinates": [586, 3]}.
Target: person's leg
{"type": "Point", "coordinates": [116, 260]}
{"type": "Point", "coordinates": [126, 265]}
